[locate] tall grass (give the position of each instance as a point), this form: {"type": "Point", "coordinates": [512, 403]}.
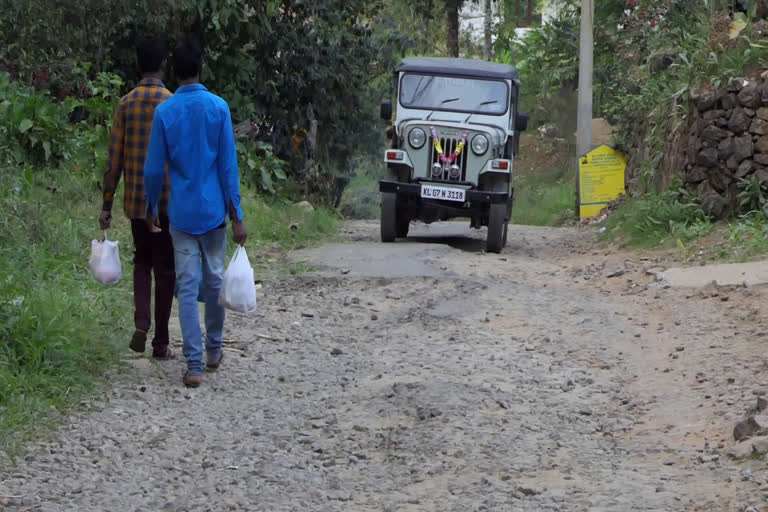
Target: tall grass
{"type": "Point", "coordinates": [278, 226]}
{"type": "Point", "coordinates": [539, 202]}
{"type": "Point", "coordinates": [653, 219]}
{"type": "Point", "coordinates": [747, 238]}
{"type": "Point", "coordinates": [61, 332]}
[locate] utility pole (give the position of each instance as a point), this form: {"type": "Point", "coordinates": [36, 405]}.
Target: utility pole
{"type": "Point", "coordinates": [586, 43]}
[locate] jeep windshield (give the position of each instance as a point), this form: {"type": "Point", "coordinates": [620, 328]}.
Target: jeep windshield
{"type": "Point", "coordinates": [454, 94]}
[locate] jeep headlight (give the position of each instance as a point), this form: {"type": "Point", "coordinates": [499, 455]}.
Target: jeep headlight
{"type": "Point", "coordinates": [479, 145]}
{"type": "Point", "coordinates": [417, 137]}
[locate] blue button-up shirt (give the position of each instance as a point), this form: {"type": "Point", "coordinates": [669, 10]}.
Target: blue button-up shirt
{"type": "Point", "coordinates": [192, 132]}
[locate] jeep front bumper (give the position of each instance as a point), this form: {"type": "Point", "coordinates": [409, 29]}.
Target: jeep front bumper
{"type": "Point", "coordinates": [414, 190]}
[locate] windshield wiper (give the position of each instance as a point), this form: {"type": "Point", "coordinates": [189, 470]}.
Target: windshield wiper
{"type": "Point", "coordinates": [449, 100]}
{"type": "Point", "coordinates": [490, 102]}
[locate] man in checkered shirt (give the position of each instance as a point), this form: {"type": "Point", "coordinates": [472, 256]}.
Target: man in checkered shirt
{"type": "Point", "coordinates": [127, 152]}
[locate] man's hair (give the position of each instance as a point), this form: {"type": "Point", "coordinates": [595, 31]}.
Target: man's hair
{"type": "Point", "coordinates": [187, 60]}
{"type": "Point", "coordinates": [151, 51]}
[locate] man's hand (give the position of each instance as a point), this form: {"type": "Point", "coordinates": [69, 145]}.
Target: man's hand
{"type": "Point", "coordinates": [239, 233]}
{"type": "Point", "coordinates": [105, 219]}
{"type": "Point", "coordinates": [153, 224]}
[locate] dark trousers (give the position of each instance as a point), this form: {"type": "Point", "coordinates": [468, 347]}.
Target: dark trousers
{"type": "Point", "coordinates": [153, 253]}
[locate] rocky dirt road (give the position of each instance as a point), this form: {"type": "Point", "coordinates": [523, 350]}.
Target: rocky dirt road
{"type": "Point", "coordinates": [427, 375]}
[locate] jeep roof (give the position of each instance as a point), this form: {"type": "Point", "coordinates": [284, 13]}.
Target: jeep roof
{"type": "Point", "coordinates": [460, 67]}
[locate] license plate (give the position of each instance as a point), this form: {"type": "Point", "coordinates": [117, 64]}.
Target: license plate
{"type": "Point", "coordinates": [445, 193]}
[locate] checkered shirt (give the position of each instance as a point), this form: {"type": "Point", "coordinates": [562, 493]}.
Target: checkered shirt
{"type": "Point", "coordinates": [128, 148]}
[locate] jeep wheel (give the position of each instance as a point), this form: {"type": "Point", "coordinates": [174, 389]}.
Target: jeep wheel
{"type": "Point", "coordinates": [496, 228]}
{"type": "Point", "coordinates": [388, 217]}
{"type": "Point", "coordinates": [506, 222]}
{"type": "Point", "coordinates": [403, 223]}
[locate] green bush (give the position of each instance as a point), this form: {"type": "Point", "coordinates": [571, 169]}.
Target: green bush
{"type": "Point", "coordinates": [753, 196]}
{"type": "Point", "coordinates": [260, 168]}
{"type": "Point", "coordinates": [33, 127]}
{"type": "Point", "coordinates": [747, 237]}
{"type": "Point", "coordinates": [282, 65]}
{"type": "Point", "coordinates": [542, 201]}
{"type": "Point", "coordinates": [547, 59]}
{"type": "Point", "coordinates": [37, 129]}
{"type": "Point", "coordinates": [649, 55]}
{"type": "Point", "coordinates": [361, 198]}
{"type": "Point", "coordinates": [652, 219]}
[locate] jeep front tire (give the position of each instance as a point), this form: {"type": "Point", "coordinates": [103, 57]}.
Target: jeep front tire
{"type": "Point", "coordinates": [497, 226]}
{"type": "Point", "coordinates": [388, 216]}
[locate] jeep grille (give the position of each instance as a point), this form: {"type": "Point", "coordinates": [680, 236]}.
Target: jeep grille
{"type": "Point", "coordinates": [449, 146]}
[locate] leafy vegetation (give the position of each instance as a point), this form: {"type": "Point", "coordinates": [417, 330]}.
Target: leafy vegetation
{"type": "Point", "coordinates": [548, 61]}
{"type": "Point", "coordinates": [753, 196]}
{"type": "Point", "coordinates": [282, 65]}
{"type": "Point", "coordinates": [649, 57]}
{"type": "Point", "coordinates": [651, 220]}
{"type": "Point", "coordinates": [746, 238]}
{"type": "Point", "coordinates": [53, 317]}
{"type": "Point", "coordinates": [669, 50]}
{"type": "Point", "coordinates": [540, 202]}
{"type": "Point", "coordinates": [61, 332]}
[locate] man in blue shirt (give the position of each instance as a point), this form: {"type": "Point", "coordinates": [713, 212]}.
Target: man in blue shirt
{"type": "Point", "coordinates": [192, 133]}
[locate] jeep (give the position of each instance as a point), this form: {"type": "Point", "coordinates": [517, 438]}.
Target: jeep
{"type": "Point", "coordinates": [454, 135]}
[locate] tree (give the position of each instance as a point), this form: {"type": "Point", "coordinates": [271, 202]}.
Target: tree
{"type": "Point", "coordinates": [283, 64]}
{"type": "Point", "coordinates": [487, 24]}
{"type": "Point", "coordinates": [452, 8]}
{"type": "Point", "coordinates": [520, 12]}
{"type": "Point", "coordinates": [529, 13]}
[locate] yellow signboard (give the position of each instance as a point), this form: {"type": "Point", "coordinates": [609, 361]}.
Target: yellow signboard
{"type": "Point", "coordinates": [601, 179]}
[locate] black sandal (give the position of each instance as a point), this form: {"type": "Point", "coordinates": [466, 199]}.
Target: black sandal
{"type": "Point", "coordinates": [167, 356]}
{"type": "Point", "coordinates": [138, 341]}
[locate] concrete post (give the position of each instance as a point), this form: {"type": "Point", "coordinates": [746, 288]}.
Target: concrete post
{"type": "Point", "coordinates": [584, 119]}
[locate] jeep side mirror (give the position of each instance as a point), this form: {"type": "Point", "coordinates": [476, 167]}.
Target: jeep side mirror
{"type": "Point", "coordinates": [386, 110]}
{"type": "Point", "coordinates": [521, 123]}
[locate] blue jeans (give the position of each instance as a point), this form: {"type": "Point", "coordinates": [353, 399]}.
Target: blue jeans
{"type": "Point", "coordinates": [190, 251]}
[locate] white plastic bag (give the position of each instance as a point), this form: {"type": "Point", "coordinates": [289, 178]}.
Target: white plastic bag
{"type": "Point", "coordinates": [238, 291]}
{"type": "Point", "coordinates": [105, 261]}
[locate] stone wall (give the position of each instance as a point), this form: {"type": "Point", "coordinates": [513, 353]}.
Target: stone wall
{"type": "Point", "coordinates": [727, 141]}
